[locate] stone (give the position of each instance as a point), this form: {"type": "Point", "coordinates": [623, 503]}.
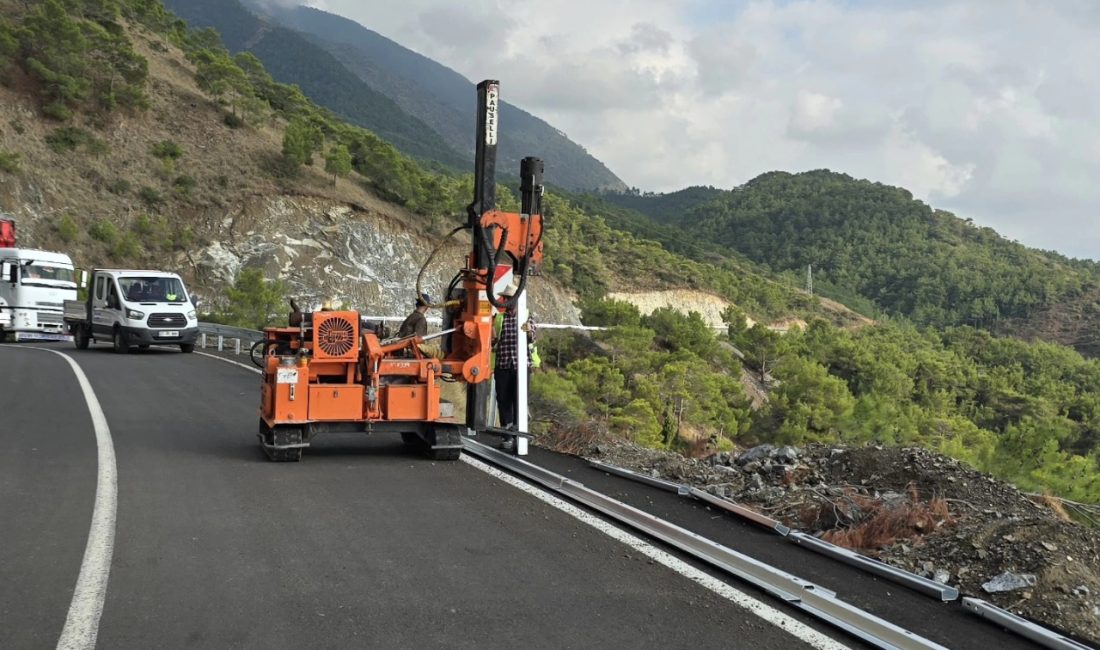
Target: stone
{"type": "Point", "coordinates": [755, 482]}
{"type": "Point", "coordinates": [758, 453]}
{"type": "Point", "coordinates": [942, 576]}
{"type": "Point", "coordinates": [1009, 581]}
{"type": "Point", "coordinates": [787, 455]}
{"type": "Point", "coordinates": [752, 467]}
{"type": "Point", "coordinates": [1081, 591]}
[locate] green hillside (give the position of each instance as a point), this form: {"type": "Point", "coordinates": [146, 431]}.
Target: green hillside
{"type": "Point", "coordinates": [869, 241]}
{"type": "Point", "coordinates": [442, 98]}
{"type": "Point", "coordinates": [291, 58]}
{"type": "Point", "coordinates": [1026, 412]}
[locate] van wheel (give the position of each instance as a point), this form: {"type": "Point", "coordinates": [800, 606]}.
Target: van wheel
{"type": "Point", "coordinates": [80, 338]}
{"type": "Point", "coordinates": [122, 346]}
{"type": "Point", "coordinates": [187, 348]}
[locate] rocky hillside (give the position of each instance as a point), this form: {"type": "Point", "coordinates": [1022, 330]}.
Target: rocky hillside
{"type": "Point", "coordinates": [98, 190]}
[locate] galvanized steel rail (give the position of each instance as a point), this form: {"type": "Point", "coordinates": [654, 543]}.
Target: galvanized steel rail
{"type": "Point", "coordinates": [1022, 626]}
{"type": "Point", "coordinates": [811, 598]}
{"type": "Point", "coordinates": [918, 583]}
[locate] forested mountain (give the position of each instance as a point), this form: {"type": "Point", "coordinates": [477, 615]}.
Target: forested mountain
{"type": "Point", "coordinates": [292, 58]}
{"type": "Point", "coordinates": [667, 207]}
{"type": "Point", "coordinates": [420, 106]}
{"type": "Point", "coordinates": [443, 98]}
{"type": "Point", "coordinates": [872, 242]}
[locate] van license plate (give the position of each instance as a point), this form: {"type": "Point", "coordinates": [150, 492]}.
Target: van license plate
{"type": "Point", "coordinates": [169, 334]}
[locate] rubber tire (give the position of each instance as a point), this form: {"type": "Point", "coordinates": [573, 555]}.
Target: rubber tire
{"type": "Point", "coordinates": [445, 454]}
{"type": "Point", "coordinates": [81, 339]}
{"type": "Point", "coordinates": [121, 345]}
{"type": "Point", "coordinates": [143, 346]}
{"type": "Point", "coordinates": [187, 348]}
{"type": "Point", "coordinates": [257, 359]}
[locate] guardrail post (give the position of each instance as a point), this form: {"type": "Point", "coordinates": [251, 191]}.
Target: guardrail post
{"type": "Point", "coordinates": [237, 347]}
{"type": "Point", "coordinates": [221, 343]}
{"type": "Point", "coordinates": [202, 340]}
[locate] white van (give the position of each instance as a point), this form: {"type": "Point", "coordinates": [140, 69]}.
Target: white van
{"type": "Point", "coordinates": [34, 286]}
{"type": "Point", "coordinates": [130, 308]}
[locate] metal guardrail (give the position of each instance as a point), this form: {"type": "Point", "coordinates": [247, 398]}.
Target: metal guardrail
{"type": "Point", "coordinates": [678, 488]}
{"type": "Point", "coordinates": [926, 586]}
{"type": "Point", "coordinates": [918, 583]}
{"type": "Point", "coordinates": [807, 596]}
{"type": "Point", "coordinates": [1022, 626]}
{"type": "Point", "coordinates": [243, 338]}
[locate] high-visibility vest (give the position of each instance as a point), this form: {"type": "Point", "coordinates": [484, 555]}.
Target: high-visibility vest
{"type": "Point", "coordinates": [533, 358]}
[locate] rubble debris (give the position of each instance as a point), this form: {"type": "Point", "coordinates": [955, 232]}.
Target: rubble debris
{"type": "Point", "coordinates": [898, 504]}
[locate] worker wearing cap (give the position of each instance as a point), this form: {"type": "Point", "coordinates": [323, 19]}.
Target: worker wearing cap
{"type": "Point", "coordinates": [506, 362]}
{"type": "Point", "coordinates": [416, 324]}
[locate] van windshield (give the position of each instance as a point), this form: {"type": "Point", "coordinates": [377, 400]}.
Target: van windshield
{"type": "Point", "coordinates": [43, 273]}
{"type": "Point", "coordinates": [152, 289]}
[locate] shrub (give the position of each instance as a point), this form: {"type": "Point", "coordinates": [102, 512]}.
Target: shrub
{"type": "Point", "coordinates": [57, 111]}
{"type": "Point", "coordinates": [143, 225]}
{"type": "Point", "coordinates": [104, 231]}
{"type": "Point", "coordinates": [253, 300]}
{"type": "Point", "coordinates": [120, 187]}
{"type": "Point", "coordinates": [233, 121]}
{"type": "Point", "coordinates": [167, 150]}
{"type": "Point", "coordinates": [67, 138]}
{"type": "Point", "coordinates": [67, 229]}
{"type": "Point", "coordinates": [150, 195]}
{"type": "Point", "coordinates": [127, 247]}
{"type": "Point", "coordinates": [9, 161]}
{"type": "Point", "coordinates": [183, 185]}
{"type": "Point", "coordinates": [183, 239]}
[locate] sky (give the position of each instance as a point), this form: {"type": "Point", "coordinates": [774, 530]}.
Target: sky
{"type": "Point", "coordinates": [989, 109]}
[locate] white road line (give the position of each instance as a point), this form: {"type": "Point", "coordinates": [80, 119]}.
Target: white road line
{"type": "Point", "coordinates": [82, 622]}
{"type": "Point", "coordinates": [766, 612]}
{"type": "Point", "coordinates": [236, 363]}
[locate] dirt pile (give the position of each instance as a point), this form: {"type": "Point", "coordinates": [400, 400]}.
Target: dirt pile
{"type": "Point", "coordinates": [910, 507]}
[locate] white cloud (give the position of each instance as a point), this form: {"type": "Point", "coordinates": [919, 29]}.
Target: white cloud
{"type": "Point", "coordinates": [987, 109]}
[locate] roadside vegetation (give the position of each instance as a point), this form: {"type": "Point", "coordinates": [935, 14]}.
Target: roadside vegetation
{"type": "Point", "coordinates": [1029, 413]}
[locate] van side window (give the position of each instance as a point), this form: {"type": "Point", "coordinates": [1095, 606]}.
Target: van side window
{"type": "Point", "coordinates": [112, 297]}
{"type": "Point", "coordinates": [100, 282]}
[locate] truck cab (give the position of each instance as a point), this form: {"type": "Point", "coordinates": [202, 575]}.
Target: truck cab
{"type": "Point", "coordinates": [131, 308]}
{"type": "Point", "coordinates": [34, 285]}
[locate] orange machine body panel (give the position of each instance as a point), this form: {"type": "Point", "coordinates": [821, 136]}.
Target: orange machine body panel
{"type": "Point", "coordinates": [286, 394]}
{"type": "Point", "coordinates": [408, 402]}
{"type": "Point", "coordinates": [335, 402]}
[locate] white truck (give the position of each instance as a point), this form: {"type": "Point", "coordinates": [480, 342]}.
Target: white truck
{"type": "Point", "coordinates": [131, 308]}
{"type": "Point", "coordinates": [34, 285]}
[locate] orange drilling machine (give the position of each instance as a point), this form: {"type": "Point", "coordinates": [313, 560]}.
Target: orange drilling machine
{"type": "Point", "coordinates": [330, 372]}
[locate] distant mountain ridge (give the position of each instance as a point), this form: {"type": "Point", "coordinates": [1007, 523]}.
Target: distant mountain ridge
{"type": "Point", "coordinates": [419, 105]}
{"type": "Point", "coordinates": [874, 244]}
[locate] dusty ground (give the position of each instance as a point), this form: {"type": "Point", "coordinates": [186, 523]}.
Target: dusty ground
{"type": "Point", "coordinates": [912, 508]}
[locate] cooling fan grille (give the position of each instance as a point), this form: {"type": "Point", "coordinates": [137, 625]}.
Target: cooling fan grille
{"type": "Point", "coordinates": [336, 337]}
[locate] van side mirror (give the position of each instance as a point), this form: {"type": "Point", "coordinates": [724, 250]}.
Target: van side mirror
{"type": "Point", "coordinates": [194, 302]}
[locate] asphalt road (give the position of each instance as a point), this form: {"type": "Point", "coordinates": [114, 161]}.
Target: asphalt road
{"type": "Point", "coordinates": [360, 545]}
